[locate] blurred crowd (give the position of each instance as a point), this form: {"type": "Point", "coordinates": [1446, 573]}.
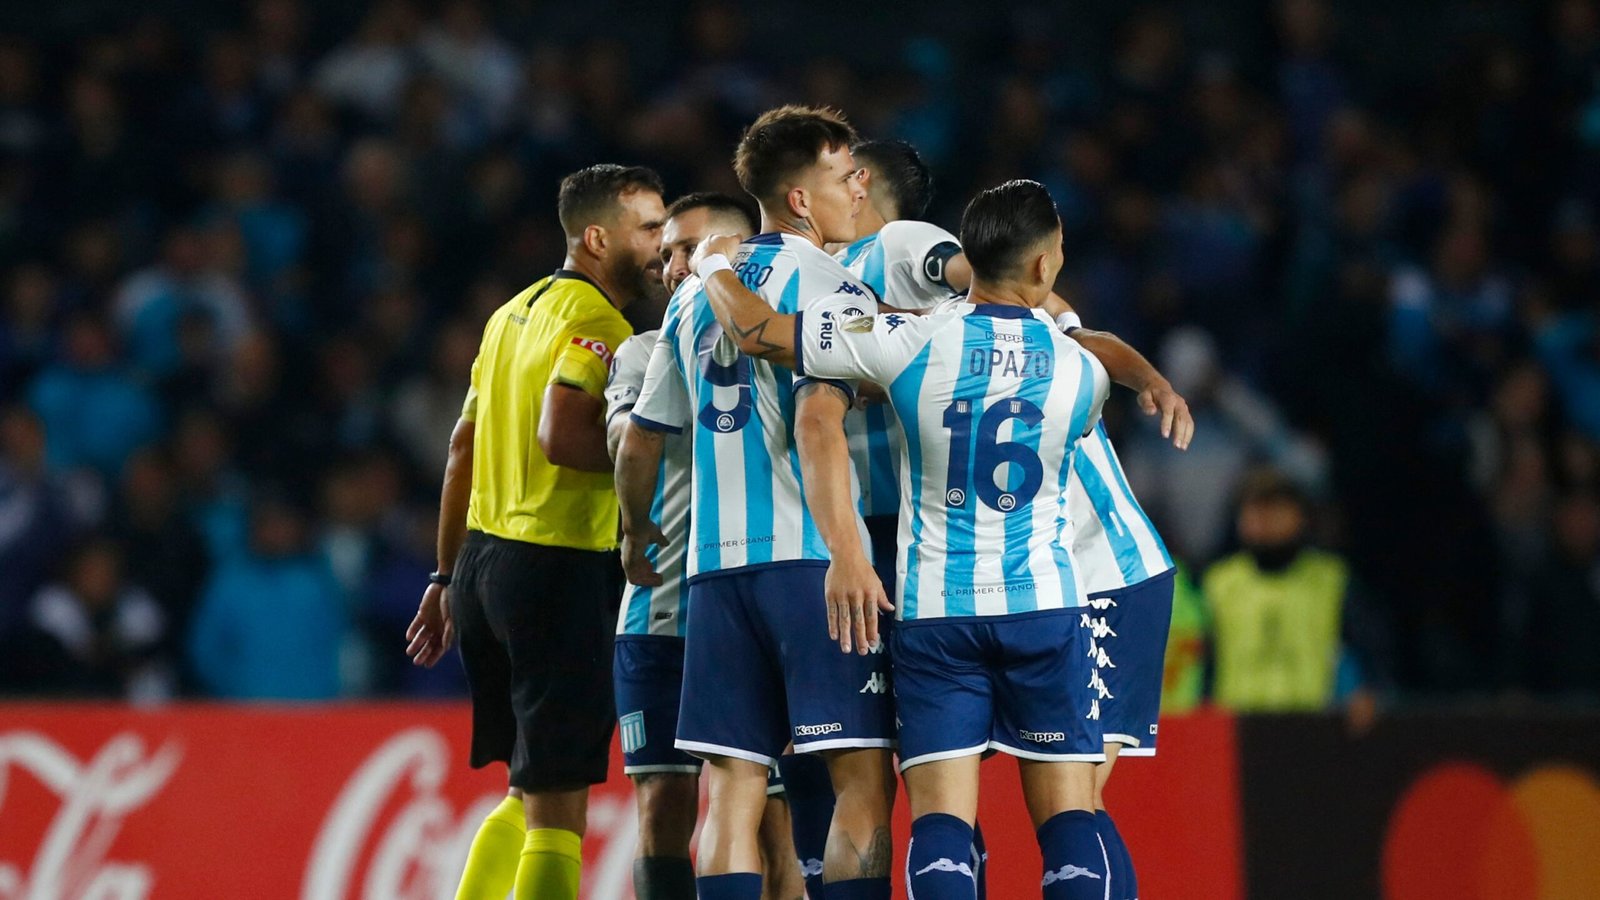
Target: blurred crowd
{"type": "Point", "coordinates": [246, 261]}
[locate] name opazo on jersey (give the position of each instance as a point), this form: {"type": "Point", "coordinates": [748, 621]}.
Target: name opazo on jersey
{"type": "Point", "coordinates": [993, 400]}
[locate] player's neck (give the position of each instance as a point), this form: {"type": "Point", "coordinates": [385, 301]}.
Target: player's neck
{"type": "Point", "coordinates": [869, 221]}
{"type": "Point", "coordinates": [1002, 295]}
{"type": "Point", "coordinates": [800, 228]}
{"type": "Point", "coordinates": [591, 269]}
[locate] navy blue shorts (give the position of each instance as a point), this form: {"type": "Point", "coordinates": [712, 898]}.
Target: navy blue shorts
{"type": "Point", "coordinates": [884, 532]}
{"type": "Point", "coordinates": [647, 671]}
{"type": "Point", "coordinates": [1019, 685]}
{"type": "Point", "coordinates": [761, 671]}
{"type": "Point", "coordinates": [1128, 628]}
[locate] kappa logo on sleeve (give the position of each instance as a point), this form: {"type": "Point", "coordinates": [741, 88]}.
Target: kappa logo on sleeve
{"type": "Point", "coordinates": [598, 348]}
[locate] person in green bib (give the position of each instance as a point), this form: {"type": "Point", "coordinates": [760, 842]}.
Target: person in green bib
{"type": "Point", "coordinates": [1289, 632]}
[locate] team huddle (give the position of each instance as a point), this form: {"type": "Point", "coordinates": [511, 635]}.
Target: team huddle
{"type": "Point", "coordinates": [869, 520]}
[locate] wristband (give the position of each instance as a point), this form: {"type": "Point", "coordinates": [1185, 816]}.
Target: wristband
{"type": "Point", "coordinates": [711, 265]}
{"type": "Point", "coordinates": [442, 579]}
{"type": "Point", "coordinates": [1068, 321]}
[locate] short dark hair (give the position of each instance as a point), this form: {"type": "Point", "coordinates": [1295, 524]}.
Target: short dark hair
{"type": "Point", "coordinates": [720, 205]}
{"type": "Point", "coordinates": [1268, 485]}
{"type": "Point", "coordinates": [901, 170]}
{"type": "Point", "coordinates": [785, 140]}
{"type": "Point", "coordinates": [588, 195]}
{"type": "Point", "coordinates": [1002, 223]}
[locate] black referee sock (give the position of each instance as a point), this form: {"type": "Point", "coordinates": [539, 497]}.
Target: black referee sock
{"type": "Point", "coordinates": [663, 878]}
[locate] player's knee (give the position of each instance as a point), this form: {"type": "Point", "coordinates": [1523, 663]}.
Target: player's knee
{"type": "Point", "coordinates": [566, 810]}
{"type": "Point", "coordinates": [668, 804]}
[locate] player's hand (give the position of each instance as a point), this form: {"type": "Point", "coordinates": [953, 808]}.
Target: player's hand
{"type": "Point", "coordinates": [855, 595]}
{"type": "Point", "coordinates": [634, 563]}
{"type": "Point", "coordinates": [432, 632]}
{"type": "Point", "coordinates": [1176, 422]}
{"type": "Point", "coordinates": [725, 244]}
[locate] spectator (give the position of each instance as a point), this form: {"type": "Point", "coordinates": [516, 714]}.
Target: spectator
{"type": "Point", "coordinates": [153, 304]}
{"type": "Point", "coordinates": [94, 413]}
{"type": "Point", "coordinates": [164, 551]}
{"type": "Point", "coordinates": [1289, 628]}
{"type": "Point", "coordinates": [36, 515]}
{"type": "Point", "coordinates": [1563, 626]}
{"type": "Point", "coordinates": [97, 635]}
{"type": "Point", "coordinates": [271, 622]}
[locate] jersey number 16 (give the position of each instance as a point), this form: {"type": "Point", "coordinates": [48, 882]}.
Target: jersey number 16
{"type": "Point", "coordinates": [978, 465]}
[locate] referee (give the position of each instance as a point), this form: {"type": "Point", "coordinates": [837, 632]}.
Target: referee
{"type": "Point", "coordinates": [527, 537]}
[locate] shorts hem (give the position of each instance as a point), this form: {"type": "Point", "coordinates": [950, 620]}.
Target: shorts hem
{"type": "Point", "coordinates": [1048, 757]}
{"type": "Point", "coordinates": [941, 755]}
{"type": "Point", "coordinates": [1127, 740]}
{"type": "Point", "coordinates": [1137, 751]}
{"type": "Point", "coordinates": [662, 769]}
{"type": "Point", "coordinates": [774, 790]}
{"type": "Point", "coordinates": [845, 744]}
{"type": "Point", "coordinates": [702, 750]}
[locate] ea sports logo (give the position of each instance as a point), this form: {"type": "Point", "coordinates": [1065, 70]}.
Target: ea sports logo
{"type": "Point", "coordinates": [955, 497]}
{"type": "Point", "coordinates": [724, 422]}
{"type": "Point", "coordinates": [1007, 502]}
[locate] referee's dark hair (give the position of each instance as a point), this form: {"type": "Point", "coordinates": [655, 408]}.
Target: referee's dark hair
{"type": "Point", "coordinates": [898, 168]}
{"type": "Point", "coordinates": [589, 196]}
{"type": "Point", "coordinates": [783, 141]}
{"type": "Point", "coordinates": [719, 204]}
{"type": "Point", "coordinates": [1002, 225]}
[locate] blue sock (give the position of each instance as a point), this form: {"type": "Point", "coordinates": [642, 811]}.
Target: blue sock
{"type": "Point", "coordinates": [1124, 886]}
{"type": "Point", "coordinates": [939, 859]}
{"type": "Point", "coordinates": [980, 862]}
{"type": "Point", "coordinates": [1074, 859]}
{"type": "Point", "coordinates": [858, 889]}
{"type": "Point", "coordinates": [734, 886]}
{"type": "Point", "coordinates": [809, 791]}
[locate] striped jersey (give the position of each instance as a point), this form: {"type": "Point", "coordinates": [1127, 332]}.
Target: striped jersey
{"type": "Point", "coordinates": [903, 263]}
{"type": "Point", "coordinates": [992, 400]}
{"type": "Point", "coordinates": [1113, 541]}
{"type": "Point", "coordinates": [660, 610]}
{"type": "Point", "coordinates": [748, 505]}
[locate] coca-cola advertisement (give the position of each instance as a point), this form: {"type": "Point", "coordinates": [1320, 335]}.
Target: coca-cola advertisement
{"type": "Point", "coordinates": [377, 802]}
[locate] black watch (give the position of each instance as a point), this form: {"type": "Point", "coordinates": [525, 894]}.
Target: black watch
{"type": "Point", "coordinates": [442, 579]}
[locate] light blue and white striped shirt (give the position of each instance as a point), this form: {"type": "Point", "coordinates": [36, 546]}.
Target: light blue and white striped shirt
{"type": "Point", "coordinates": [661, 610]}
{"type": "Point", "coordinates": [903, 263]}
{"type": "Point", "coordinates": [1113, 541]}
{"type": "Point", "coordinates": [748, 508]}
{"type": "Point", "coordinates": [993, 400]}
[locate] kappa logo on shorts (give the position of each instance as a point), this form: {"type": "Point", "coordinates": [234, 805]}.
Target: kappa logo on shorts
{"type": "Point", "coordinates": [1042, 737]}
{"type": "Point", "coordinates": [632, 726]}
{"type": "Point", "coordinates": [1152, 729]}
{"type": "Point", "coordinates": [877, 683]}
{"type": "Point", "coordinates": [814, 730]}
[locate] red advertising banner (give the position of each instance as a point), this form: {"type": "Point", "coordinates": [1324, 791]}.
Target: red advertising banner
{"type": "Point", "coordinates": [334, 802]}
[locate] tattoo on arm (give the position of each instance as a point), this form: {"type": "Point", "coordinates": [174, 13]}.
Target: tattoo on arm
{"type": "Point", "coordinates": [759, 332]}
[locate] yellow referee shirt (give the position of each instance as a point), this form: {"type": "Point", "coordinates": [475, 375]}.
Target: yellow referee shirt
{"type": "Point", "coordinates": [561, 330]}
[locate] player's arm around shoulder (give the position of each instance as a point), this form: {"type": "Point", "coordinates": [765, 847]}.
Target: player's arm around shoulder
{"type": "Point", "coordinates": [756, 328]}
{"type": "Point", "coordinates": [1129, 368]}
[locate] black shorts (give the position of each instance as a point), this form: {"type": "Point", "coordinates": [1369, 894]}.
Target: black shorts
{"type": "Point", "coordinates": [535, 625]}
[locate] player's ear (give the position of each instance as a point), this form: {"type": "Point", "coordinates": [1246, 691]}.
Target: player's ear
{"type": "Point", "coordinates": [798, 202]}
{"type": "Point", "coordinates": [594, 239]}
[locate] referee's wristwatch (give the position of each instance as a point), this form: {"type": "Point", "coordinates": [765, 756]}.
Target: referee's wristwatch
{"type": "Point", "coordinates": [442, 579]}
